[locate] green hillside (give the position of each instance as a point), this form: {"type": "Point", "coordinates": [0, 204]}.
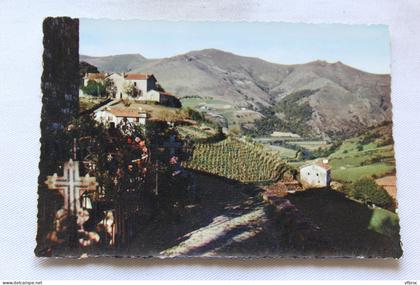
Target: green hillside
{"type": "Point", "coordinates": [370, 154]}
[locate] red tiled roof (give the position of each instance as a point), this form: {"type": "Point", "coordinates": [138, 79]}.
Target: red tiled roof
{"type": "Point", "coordinates": [137, 76]}
{"type": "Point", "coordinates": [93, 76]}
{"type": "Point", "coordinates": [324, 165]}
{"type": "Point", "coordinates": [320, 164]}
{"type": "Point", "coordinates": [125, 112]}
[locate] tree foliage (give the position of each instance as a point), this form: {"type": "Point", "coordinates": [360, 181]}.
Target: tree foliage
{"type": "Point", "coordinates": [94, 88]}
{"type": "Point", "coordinates": [110, 88]}
{"type": "Point", "coordinates": [366, 190]}
{"type": "Point", "coordinates": [85, 67]}
{"type": "Point", "coordinates": [369, 137]}
{"type": "Point", "coordinates": [325, 152]}
{"type": "Point", "coordinates": [110, 151]}
{"type": "Point", "coordinates": [131, 90]}
{"type": "Point", "coordinates": [290, 114]}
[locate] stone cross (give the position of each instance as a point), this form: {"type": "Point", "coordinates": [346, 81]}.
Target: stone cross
{"type": "Point", "coordinates": [71, 186]}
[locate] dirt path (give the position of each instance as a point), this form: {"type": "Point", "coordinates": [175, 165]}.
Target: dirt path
{"type": "Point", "coordinates": [225, 214]}
{"type": "Point", "coordinates": [229, 219]}
{"type": "Point", "coordinates": [220, 234]}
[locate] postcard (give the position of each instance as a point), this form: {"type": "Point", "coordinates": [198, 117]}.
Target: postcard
{"type": "Point", "coordinates": [216, 139]}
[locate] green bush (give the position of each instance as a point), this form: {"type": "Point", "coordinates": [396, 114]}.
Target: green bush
{"type": "Point", "coordinates": [366, 190]}
{"type": "Point", "coordinates": [372, 160]}
{"type": "Point", "coordinates": [194, 115]}
{"type": "Point", "coordinates": [94, 88]}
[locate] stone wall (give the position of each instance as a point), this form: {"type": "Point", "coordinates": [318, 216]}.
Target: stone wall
{"type": "Point", "coordinates": [60, 104]}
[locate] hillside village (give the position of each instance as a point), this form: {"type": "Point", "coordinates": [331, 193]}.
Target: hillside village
{"type": "Point", "coordinates": [138, 86]}
{"type": "Point", "coordinates": [295, 165]}
{"type": "Point", "coordinates": [240, 158]}
{"type": "Point", "coordinates": [332, 99]}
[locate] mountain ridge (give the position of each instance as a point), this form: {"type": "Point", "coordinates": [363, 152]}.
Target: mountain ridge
{"type": "Point", "coordinates": [114, 63]}
{"type": "Point", "coordinates": [85, 57]}
{"type": "Point", "coordinates": [346, 98]}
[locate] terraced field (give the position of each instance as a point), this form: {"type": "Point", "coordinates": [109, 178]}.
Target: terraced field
{"type": "Point", "coordinates": [237, 160]}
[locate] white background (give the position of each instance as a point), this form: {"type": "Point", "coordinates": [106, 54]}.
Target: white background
{"type": "Point", "coordinates": [20, 105]}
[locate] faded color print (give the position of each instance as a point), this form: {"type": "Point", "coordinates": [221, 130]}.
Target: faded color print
{"type": "Point", "coordinates": [216, 139]}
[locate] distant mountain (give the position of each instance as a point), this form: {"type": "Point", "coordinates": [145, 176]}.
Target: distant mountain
{"type": "Point", "coordinates": [115, 63]}
{"type": "Point", "coordinates": [345, 98]}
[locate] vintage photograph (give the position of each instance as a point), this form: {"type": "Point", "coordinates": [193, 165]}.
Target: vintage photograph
{"type": "Point", "coordinates": [216, 139]}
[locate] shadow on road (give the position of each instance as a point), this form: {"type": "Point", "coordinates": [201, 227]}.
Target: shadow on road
{"type": "Point", "coordinates": [229, 219]}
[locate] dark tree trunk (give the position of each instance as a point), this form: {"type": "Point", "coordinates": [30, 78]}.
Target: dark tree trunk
{"type": "Point", "coordinates": [60, 104]}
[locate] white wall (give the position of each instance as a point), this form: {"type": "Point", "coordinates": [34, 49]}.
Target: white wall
{"type": "Point", "coordinates": [104, 116]}
{"type": "Point", "coordinates": [314, 176]}
{"type": "Point", "coordinates": [119, 84]}
{"type": "Point", "coordinates": [152, 95]}
{"type": "Point", "coordinates": [140, 84]}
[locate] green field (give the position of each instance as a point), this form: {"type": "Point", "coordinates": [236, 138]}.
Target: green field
{"type": "Point", "coordinates": [194, 102]}
{"type": "Point", "coordinates": [196, 132]}
{"type": "Point", "coordinates": [88, 102]}
{"type": "Point", "coordinates": [237, 160]}
{"type": "Point", "coordinates": [290, 148]}
{"type": "Point", "coordinates": [350, 163]}
{"type": "Point", "coordinates": [384, 222]}
{"type": "Point", "coordinates": [283, 152]}
{"type": "Point", "coordinates": [233, 115]}
{"type": "Point", "coordinates": [310, 144]}
{"type": "Point", "coordinates": [352, 174]}
{"type": "Point", "coordinates": [353, 160]}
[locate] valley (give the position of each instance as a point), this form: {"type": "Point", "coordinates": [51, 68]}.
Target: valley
{"type": "Point", "coordinates": [255, 124]}
{"type": "Point", "coordinates": [337, 100]}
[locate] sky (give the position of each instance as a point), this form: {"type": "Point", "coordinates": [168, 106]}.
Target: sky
{"type": "Point", "coordinates": [365, 47]}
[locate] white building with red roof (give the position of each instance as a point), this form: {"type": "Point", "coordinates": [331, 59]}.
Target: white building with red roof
{"type": "Point", "coordinates": [114, 115]}
{"type": "Point", "coordinates": [144, 82]}
{"type": "Point", "coordinates": [143, 87]}
{"type": "Point", "coordinates": [315, 175]}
